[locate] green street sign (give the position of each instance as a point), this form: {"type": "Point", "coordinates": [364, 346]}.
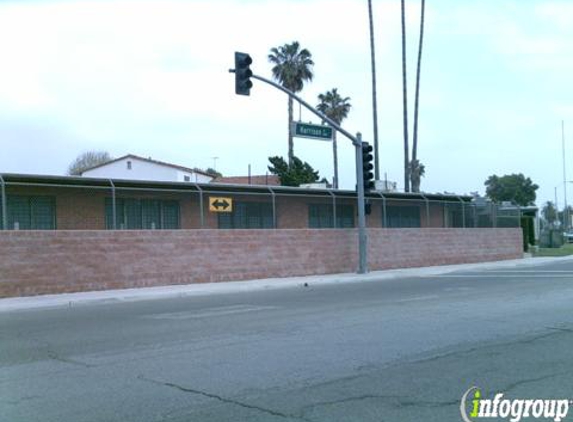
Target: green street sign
{"type": "Point", "coordinates": [307, 130]}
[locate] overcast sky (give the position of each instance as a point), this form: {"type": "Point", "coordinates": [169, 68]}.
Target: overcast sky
{"type": "Point", "coordinates": [151, 78]}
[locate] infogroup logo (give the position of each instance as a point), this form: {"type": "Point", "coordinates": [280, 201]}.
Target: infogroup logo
{"type": "Point", "coordinates": [513, 410]}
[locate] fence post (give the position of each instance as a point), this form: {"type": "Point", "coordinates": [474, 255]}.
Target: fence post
{"type": "Point", "coordinates": [384, 219]}
{"type": "Point", "coordinates": [463, 213]}
{"type": "Point", "coordinates": [427, 209]}
{"type": "Point", "coordinates": [333, 208]}
{"type": "Point", "coordinates": [274, 206]}
{"type": "Point", "coordinates": [4, 206]}
{"type": "Point", "coordinates": [113, 211]}
{"type": "Point", "coordinates": [201, 210]}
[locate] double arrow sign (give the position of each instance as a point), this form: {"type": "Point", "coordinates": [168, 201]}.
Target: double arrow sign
{"type": "Point", "coordinates": [220, 204]}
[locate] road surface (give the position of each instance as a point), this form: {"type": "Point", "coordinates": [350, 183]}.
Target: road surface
{"type": "Point", "coordinates": [393, 350]}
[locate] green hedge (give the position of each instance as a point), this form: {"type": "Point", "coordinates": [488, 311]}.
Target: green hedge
{"type": "Point", "coordinates": [528, 229]}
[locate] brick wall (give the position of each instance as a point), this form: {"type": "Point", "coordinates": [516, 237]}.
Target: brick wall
{"type": "Point", "coordinates": [36, 262]}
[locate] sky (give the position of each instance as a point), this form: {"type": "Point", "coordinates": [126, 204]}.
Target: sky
{"type": "Point", "coordinates": [150, 77]}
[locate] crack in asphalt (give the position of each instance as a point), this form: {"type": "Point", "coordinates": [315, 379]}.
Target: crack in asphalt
{"type": "Point", "coordinates": [562, 329]}
{"type": "Point", "coordinates": [403, 401]}
{"type": "Point", "coordinates": [532, 380]}
{"type": "Point", "coordinates": [529, 340]}
{"type": "Point", "coordinates": [54, 356]}
{"type": "Point", "coordinates": [222, 399]}
{"type": "Point", "coordinates": [394, 401]}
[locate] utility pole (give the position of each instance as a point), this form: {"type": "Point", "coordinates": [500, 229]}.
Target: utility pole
{"type": "Point", "coordinates": [566, 209]}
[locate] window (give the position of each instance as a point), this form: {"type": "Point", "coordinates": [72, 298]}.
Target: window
{"type": "Point", "coordinates": [248, 215]}
{"type": "Point", "coordinates": [187, 178]}
{"type": "Point", "coordinates": [31, 212]}
{"type": "Point", "coordinates": [403, 216]}
{"type": "Point", "coordinates": [320, 216]}
{"type": "Point", "coordinates": [129, 165]}
{"type": "Point", "coordinates": [454, 215]}
{"type": "Point", "coordinates": [142, 214]}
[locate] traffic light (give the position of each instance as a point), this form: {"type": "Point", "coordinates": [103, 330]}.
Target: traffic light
{"type": "Point", "coordinates": [243, 74]}
{"type": "Point", "coordinates": [367, 157]}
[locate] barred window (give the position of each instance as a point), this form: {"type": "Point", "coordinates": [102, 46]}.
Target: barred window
{"type": "Point", "coordinates": [320, 216]}
{"type": "Point", "coordinates": [31, 212]}
{"type": "Point", "coordinates": [146, 214]}
{"type": "Point", "coordinates": [248, 215]}
{"type": "Point", "coordinates": [403, 216]}
{"type": "Point", "coordinates": [170, 215]}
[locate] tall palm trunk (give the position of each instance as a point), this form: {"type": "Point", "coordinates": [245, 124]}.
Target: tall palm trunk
{"type": "Point", "coordinates": [417, 100]}
{"type": "Point", "coordinates": [405, 99]}
{"type": "Point", "coordinates": [374, 101]}
{"type": "Point", "coordinates": [290, 134]}
{"type": "Point", "coordinates": [335, 157]}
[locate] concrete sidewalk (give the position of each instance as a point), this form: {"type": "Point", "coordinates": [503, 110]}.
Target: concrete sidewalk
{"type": "Point", "coordinates": [150, 293]}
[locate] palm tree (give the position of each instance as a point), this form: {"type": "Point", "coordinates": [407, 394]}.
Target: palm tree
{"type": "Point", "coordinates": [416, 167]}
{"type": "Point", "coordinates": [332, 105]}
{"type": "Point", "coordinates": [374, 101]}
{"type": "Point", "coordinates": [417, 171]}
{"type": "Point", "coordinates": [405, 100]}
{"type": "Point", "coordinates": [292, 68]}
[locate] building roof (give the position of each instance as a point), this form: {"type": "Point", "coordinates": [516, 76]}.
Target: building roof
{"type": "Point", "coordinates": [267, 180]}
{"type": "Point", "coordinates": [149, 160]}
{"type": "Point", "coordinates": [218, 188]}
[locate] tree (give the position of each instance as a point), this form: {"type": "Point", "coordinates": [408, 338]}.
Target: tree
{"type": "Point", "coordinates": [512, 187]}
{"type": "Point", "coordinates": [549, 213]}
{"type": "Point", "coordinates": [374, 100]}
{"type": "Point", "coordinates": [292, 175]}
{"type": "Point", "coordinates": [415, 166]}
{"type": "Point", "coordinates": [213, 172]}
{"type": "Point", "coordinates": [332, 105]}
{"type": "Point", "coordinates": [88, 160]}
{"type": "Point", "coordinates": [564, 216]}
{"type": "Point", "coordinates": [292, 68]}
{"type": "Point", "coordinates": [417, 171]}
{"type": "Point", "coordinates": [405, 102]}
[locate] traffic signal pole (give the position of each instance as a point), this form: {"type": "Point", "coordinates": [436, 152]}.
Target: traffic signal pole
{"type": "Point", "coordinates": [362, 236]}
{"type": "Point", "coordinates": [357, 142]}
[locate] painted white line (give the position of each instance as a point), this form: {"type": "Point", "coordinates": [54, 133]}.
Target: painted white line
{"type": "Point", "coordinates": [532, 271]}
{"type": "Point", "coordinates": [460, 289]}
{"type": "Point", "coordinates": [567, 277]}
{"type": "Point", "coordinates": [212, 312]}
{"type": "Point", "coordinates": [417, 298]}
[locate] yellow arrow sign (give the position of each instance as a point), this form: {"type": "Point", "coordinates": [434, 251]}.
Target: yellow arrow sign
{"type": "Point", "coordinates": [220, 204]}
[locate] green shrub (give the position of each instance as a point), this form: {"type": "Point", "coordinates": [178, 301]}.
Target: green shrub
{"type": "Point", "coordinates": [528, 232]}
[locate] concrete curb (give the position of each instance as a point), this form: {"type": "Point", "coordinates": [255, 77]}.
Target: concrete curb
{"type": "Point", "coordinates": [163, 292]}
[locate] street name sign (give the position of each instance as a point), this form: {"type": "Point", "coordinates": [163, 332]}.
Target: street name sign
{"type": "Point", "coordinates": [308, 130]}
{"type": "Point", "coordinates": [220, 204]}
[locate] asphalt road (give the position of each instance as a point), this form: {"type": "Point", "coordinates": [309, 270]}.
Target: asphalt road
{"type": "Point", "coordinates": [394, 350]}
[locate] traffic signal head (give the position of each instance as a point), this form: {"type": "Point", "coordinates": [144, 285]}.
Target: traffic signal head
{"type": "Point", "coordinates": [243, 74]}
{"type": "Point", "coordinates": [367, 167]}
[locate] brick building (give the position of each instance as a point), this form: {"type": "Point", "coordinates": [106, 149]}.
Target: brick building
{"type": "Point", "coordinates": [76, 203]}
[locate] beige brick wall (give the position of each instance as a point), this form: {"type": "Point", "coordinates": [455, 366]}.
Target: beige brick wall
{"type": "Point", "coordinates": [42, 262]}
